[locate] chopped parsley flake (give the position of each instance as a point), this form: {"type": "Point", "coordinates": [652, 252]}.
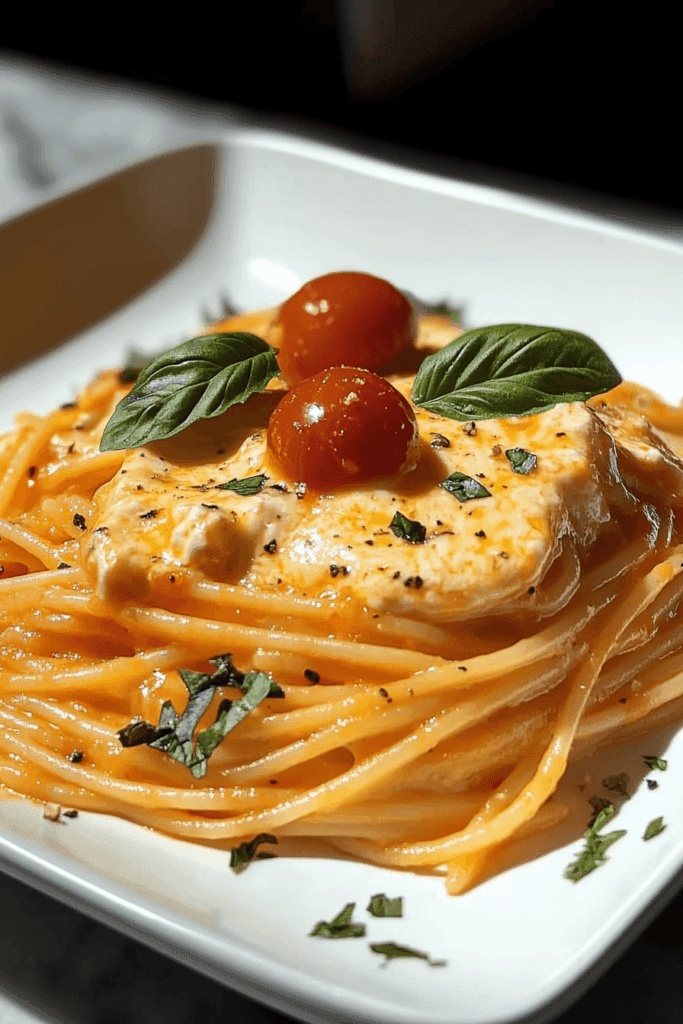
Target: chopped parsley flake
{"type": "Point", "coordinates": [242, 856]}
{"type": "Point", "coordinates": [384, 906]}
{"type": "Point", "coordinates": [408, 529]}
{"type": "Point", "coordinates": [654, 828]}
{"type": "Point", "coordinates": [521, 461]}
{"type": "Point", "coordinates": [392, 951]}
{"type": "Point", "coordinates": [340, 927]}
{"type": "Point", "coordinates": [617, 783]}
{"type": "Point", "coordinates": [464, 487]}
{"type": "Point", "coordinates": [245, 487]}
{"type": "Point", "coordinates": [653, 762]}
{"type": "Point", "coordinates": [595, 850]}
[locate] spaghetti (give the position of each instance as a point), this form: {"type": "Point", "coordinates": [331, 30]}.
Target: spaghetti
{"type": "Point", "coordinates": [418, 726]}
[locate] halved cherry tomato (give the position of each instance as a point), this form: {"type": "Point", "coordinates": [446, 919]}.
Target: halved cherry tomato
{"type": "Point", "coordinates": [343, 426]}
{"type": "Point", "coordinates": [341, 319]}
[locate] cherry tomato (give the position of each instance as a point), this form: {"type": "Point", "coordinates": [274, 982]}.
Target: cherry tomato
{"type": "Point", "coordinates": [343, 426]}
{"type": "Point", "coordinates": [342, 319]}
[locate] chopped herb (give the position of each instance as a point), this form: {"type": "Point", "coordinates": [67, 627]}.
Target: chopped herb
{"type": "Point", "coordinates": [521, 461]}
{"type": "Point", "coordinates": [382, 906]}
{"type": "Point", "coordinates": [598, 803]}
{"type": "Point", "coordinates": [340, 927]}
{"type": "Point", "coordinates": [136, 361]}
{"type": "Point", "coordinates": [408, 529]}
{"type": "Point", "coordinates": [242, 856]}
{"type": "Point", "coordinates": [392, 951]}
{"type": "Point", "coordinates": [247, 486]}
{"type": "Point", "coordinates": [595, 851]}
{"type": "Point", "coordinates": [654, 828]}
{"type": "Point", "coordinates": [174, 733]}
{"type": "Point", "coordinates": [464, 487]}
{"type": "Point", "coordinates": [617, 783]}
{"type": "Point", "coordinates": [79, 521]}
{"type": "Point", "coordinates": [445, 309]}
{"type": "Point", "coordinates": [652, 761]}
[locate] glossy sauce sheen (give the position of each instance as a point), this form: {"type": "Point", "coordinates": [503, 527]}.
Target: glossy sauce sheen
{"type": "Point", "coordinates": [163, 513]}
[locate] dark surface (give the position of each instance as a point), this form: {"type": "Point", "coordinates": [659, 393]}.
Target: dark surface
{"type": "Point", "coordinates": [71, 970]}
{"type": "Point", "coordinates": [566, 90]}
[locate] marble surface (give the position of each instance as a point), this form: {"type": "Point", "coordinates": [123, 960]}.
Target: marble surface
{"type": "Point", "coordinates": [56, 964]}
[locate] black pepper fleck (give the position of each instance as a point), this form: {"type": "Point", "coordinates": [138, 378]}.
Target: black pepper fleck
{"type": "Point", "coordinates": [531, 590]}
{"type": "Point", "coordinates": [149, 515]}
{"type": "Point", "coordinates": [396, 575]}
{"type": "Point", "coordinates": [414, 581]}
{"type": "Point", "coordinates": [63, 565]}
{"type": "Point", "coordinates": [369, 542]}
{"type": "Point", "coordinates": [313, 677]}
{"type": "Point", "coordinates": [76, 756]}
{"type": "Point", "coordinates": [652, 783]}
{"type": "Point", "coordinates": [270, 547]}
{"type": "Point", "coordinates": [79, 521]}
{"type": "Point", "coordinates": [71, 813]}
{"type": "Point", "coordinates": [480, 533]}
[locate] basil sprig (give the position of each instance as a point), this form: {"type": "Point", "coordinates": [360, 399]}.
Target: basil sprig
{"type": "Point", "coordinates": [512, 370]}
{"type": "Point", "coordinates": [196, 380]}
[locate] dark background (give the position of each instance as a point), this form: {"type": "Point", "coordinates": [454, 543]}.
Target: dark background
{"type": "Point", "coordinates": [583, 97]}
{"type": "Point", "coordinates": [573, 91]}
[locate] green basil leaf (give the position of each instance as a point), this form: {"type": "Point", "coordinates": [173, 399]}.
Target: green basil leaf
{"type": "Point", "coordinates": [196, 380]}
{"type": "Point", "coordinates": [382, 906]}
{"type": "Point", "coordinates": [340, 927]}
{"type": "Point", "coordinates": [245, 487]}
{"type": "Point", "coordinates": [521, 461]}
{"type": "Point", "coordinates": [512, 370]}
{"type": "Point", "coordinates": [617, 783]}
{"type": "Point", "coordinates": [392, 951]}
{"type": "Point", "coordinates": [464, 487]}
{"type": "Point", "coordinates": [654, 828]}
{"type": "Point", "coordinates": [595, 851]}
{"type": "Point", "coordinates": [241, 856]}
{"type": "Point", "coordinates": [652, 761]}
{"type": "Point", "coordinates": [408, 529]}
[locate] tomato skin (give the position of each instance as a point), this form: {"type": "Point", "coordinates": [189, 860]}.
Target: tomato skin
{"type": "Point", "coordinates": [343, 426]}
{"type": "Point", "coordinates": [341, 319]}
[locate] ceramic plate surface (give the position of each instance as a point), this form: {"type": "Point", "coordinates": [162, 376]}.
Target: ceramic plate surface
{"type": "Point", "coordinates": [272, 213]}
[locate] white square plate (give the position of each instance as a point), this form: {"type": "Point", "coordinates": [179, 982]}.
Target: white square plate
{"type": "Point", "coordinates": [250, 216]}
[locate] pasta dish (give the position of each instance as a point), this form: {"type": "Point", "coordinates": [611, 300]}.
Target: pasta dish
{"type": "Point", "coordinates": [394, 635]}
